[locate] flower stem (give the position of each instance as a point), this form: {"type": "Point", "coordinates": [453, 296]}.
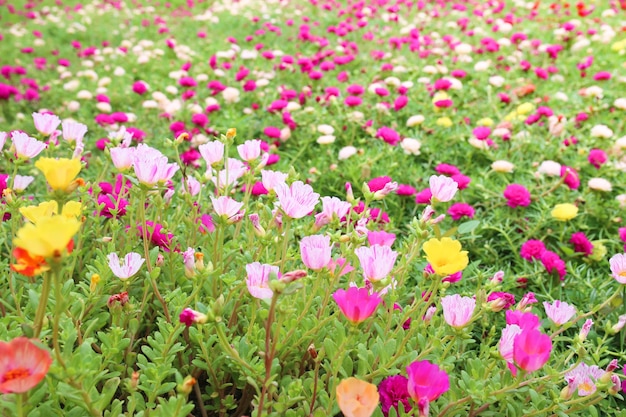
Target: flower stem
{"type": "Point", "coordinates": [43, 302]}
{"type": "Point", "coordinates": [58, 310]}
{"type": "Point", "coordinates": [269, 352]}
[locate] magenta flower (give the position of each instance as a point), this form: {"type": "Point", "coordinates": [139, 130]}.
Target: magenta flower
{"type": "Point", "coordinates": [378, 183]}
{"type": "Point", "coordinates": [531, 349]}
{"type": "Point", "coordinates": [376, 261]}
{"type": "Point", "coordinates": [426, 383]}
{"type": "Point", "coordinates": [126, 269]}
{"type": "Point", "coordinates": [157, 236]}
{"type": "Point", "coordinates": [46, 123]}
{"type": "Point", "coordinates": [523, 320]}
{"type": "Point", "coordinates": [297, 200]}
{"type": "Point", "coordinates": [553, 263]}
{"type": "Point", "coordinates": [249, 150]}
{"type": "Point", "coordinates": [315, 251]}
{"type": "Point", "coordinates": [499, 301]}
{"type": "Point", "coordinates": [532, 249]}
{"type": "Point", "coordinates": [380, 238]}
{"type": "Point", "coordinates": [570, 177]}
{"type": "Point", "coordinates": [581, 243]}
{"type": "Point", "coordinates": [227, 208]}
{"type": "Point", "coordinates": [258, 279]}
{"type": "Point", "coordinates": [618, 267]}
{"type": "Point", "coordinates": [388, 135]}
{"type": "Point", "coordinates": [394, 390]}
{"type": "Point", "coordinates": [442, 188]}
{"type": "Point", "coordinates": [356, 304]}
{"type": "Point", "coordinates": [517, 196]}
{"type": "Point", "coordinates": [559, 312]}
{"type": "Point", "coordinates": [212, 152]}
{"type": "Point", "coordinates": [190, 317]}
{"type": "Point", "coordinates": [459, 210]}
{"type": "Point", "coordinates": [597, 158]}
{"type": "Point", "coordinates": [25, 146]}
{"type": "Point", "coordinates": [457, 310]}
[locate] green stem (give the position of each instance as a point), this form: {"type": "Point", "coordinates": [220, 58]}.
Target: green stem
{"type": "Point", "coordinates": [285, 242]}
{"type": "Point", "coordinates": [19, 404]}
{"type": "Point", "coordinates": [269, 352]}
{"type": "Point", "coordinates": [43, 302]}
{"type": "Point", "coordinates": [58, 310]}
{"type": "Point", "coordinates": [221, 336]}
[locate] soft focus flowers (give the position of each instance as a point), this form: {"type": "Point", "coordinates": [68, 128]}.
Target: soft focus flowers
{"type": "Point", "coordinates": [125, 269]}
{"type": "Point", "coordinates": [517, 196]}
{"type": "Point", "coordinates": [618, 267]}
{"type": "Point", "coordinates": [258, 279]}
{"type": "Point", "coordinates": [46, 123]}
{"type": "Point", "coordinates": [394, 391]}
{"type": "Point", "coordinates": [376, 261]}
{"type": "Point", "coordinates": [564, 212]}
{"type": "Point", "coordinates": [442, 188]}
{"type": "Point", "coordinates": [25, 146]}
{"type": "Point", "coordinates": [426, 383]}
{"type": "Point", "coordinates": [559, 311]}
{"type": "Point", "coordinates": [357, 398]}
{"type": "Point", "coordinates": [60, 173]}
{"type": "Point", "coordinates": [22, 365]}
{"type": "Point", "coordinates": [531, 349]}
{"type": "Point", "coordinates": [315, 251]}
{"type": "Point", "coordinates": [356, 304]}
{"type": "Point", "coordinates": [48, 237]}
{"type": "Point", "coordinates": [445, 255]}
{"type": "Point", "coordinates": [457, 310]}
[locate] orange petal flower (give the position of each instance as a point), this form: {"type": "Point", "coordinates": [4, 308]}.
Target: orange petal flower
{"type": "Point", "coordinates": [357, 398]}
{"type": "Point", "coordinates": [27, 264]}
{"type": "Point", "coordinates": [22, 365]}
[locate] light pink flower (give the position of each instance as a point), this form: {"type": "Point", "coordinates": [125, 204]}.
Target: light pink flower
{"type": "Point", "coordinates": [122, 157]}
{"type": "Point", "coordinates": [25, 146]}
{"type": "Point", "coordinates": [227, 208]}
{"type": "Point", "coordinates": [442, 188]}
{"type": "Point", "coordinates": [559, 312]}
{"type": "Point", "coordinates": [376, 261]}
{"type": "Point", "coordinates": [22, 181]}
{"type": "Point", "coordinates": [250, 150]}
{"type": "Point", "coordinates": [506, 341]}
{"type": "Point", "coordinates": [46, 123]}
{"type": "Point", "coordinates": [297, 200]}
{"type": "Point", "coordinates": [151, 167]}
{"type": "Point", "coordinates": [457, 310]}
{"type": "Point", "coordinates": [332, 207]}
{"type": "Point", "coordinates": [618, 267]}
{"type": "Point", "coordinates": [315, 251]}
{"type": "Point", "coordinates": [212, 152]}
{"type": "Point", "coordinates": [124, 270]}
{"type": "Point", "coordinates": [74, 131]}
{"type": "Point", "coordinates": [192, 186]}
{"type": "Point", "coordinates": [583, 378]}
{"type": "Point", "coordinates": [271, 179]}
{"type": "Point", "coordinates": [228, 176]}
{"type": "Point", "coordinates": [3, 139]}
{"type": "Point", "coordinates": [189, 260]}
{"type": "Point", "coordinates": [258, 279]}
{"type": "Point", "coordinates": [380, 238]}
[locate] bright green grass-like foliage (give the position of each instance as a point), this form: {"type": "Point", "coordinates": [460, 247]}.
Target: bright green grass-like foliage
{"type": "Point", "coordinates": [182, 333]}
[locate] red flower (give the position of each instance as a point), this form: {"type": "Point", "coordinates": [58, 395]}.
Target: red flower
{"type": "Point", "coordinates": [22, 365]}
{"type": "Point", "coordinates": [28, 265]}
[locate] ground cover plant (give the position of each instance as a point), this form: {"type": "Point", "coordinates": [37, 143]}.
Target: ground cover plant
{"type": "Point", "coordinates": [313, 208]}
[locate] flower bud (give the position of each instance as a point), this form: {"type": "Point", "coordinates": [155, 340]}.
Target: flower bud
{"type": "Point", "coordinates": [186, 386]}
{"type": "Point", "coordinates": [231, 133]}
{"type": "Point", "coordinates": [95, 279]}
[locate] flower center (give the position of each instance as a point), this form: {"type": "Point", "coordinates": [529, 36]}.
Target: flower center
{"type": "Point", "coordinates": [17, 373]}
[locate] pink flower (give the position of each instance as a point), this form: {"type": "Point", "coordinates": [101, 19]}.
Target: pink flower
{"type": "Point", "coordinates": [532, 249]}
{"type": "Point", "coordinates": [212, 152]}
{"type": "Point", "coordinates": [570, 177]}
{"type": "Point", "coordinates": [531, 349]}
{"type": "Point", "coordinates": [25, 146]}
{"type": "Point", "coordinates": [481, 132]}
{"type": "Point", "coordinates": [315, 251]}
{"type": "Point", "coordinates": [499, 301]}
{"type": "Point", "coordinates": [517, 195]}
{"type": "Point", "coordinates": [140, 87]}
{"type": "Point", "coordinates": [122, 157]}
{"type": "Point", "coordinates": [581, 243]}
{"type": "Point", "coordinates": [505, 346]}
{"type": "Point", "coordinates": [23, 365]}
{"type": "Point", "coordinates": [46, 123]}
{"type": "Point", "coordinates": [151, 167]}
{"type": "Point", "coordinates": [394, 390]}
{"type": "Point", "coordinates": [388, 135]}
{"type": "Point", "coordinates": [376, 261]}
{"type": "Point", "coordinates": [597, 158]}
{"type": "Point", "coordinates": [332, 207]}
{"type": "Point", "coordinates": [426, 383]}
{"type": "Point", "coordinates": [3, 139]}
{"type": "Point", "coordinates": [227, 208]}
{"type": "Point", "coordinates": [618, 267]}
{"type": "Point", "coordinates": [74, 132]}
{"type": "Point", "coordinates": [559, 312]}
{"type": "Point", "coordinates": [249, 150]}
{"type": "Point", "coordinates": [271, 179]}
{"type": "Point", "coordinates": [553, 263]}
{"type": "Point", "coordinates": [190, 317]}
{"type": "Point", "coordinates": [258, 279]}
{"type": "Point", "coordinates": [378, 183]}
{"type": "Point", "coordinates": [459, 210]}
{"type": "Point", "coordinates": [442, 188]}
{"type": "Point", "coordinates": [126, 269]}
{"type": "Point", "coordinates": [447, 169]}
{"type": "Point", "coordinates": [298, 200]}
{"type": "Point", "coordinates": [380, 238]}
{"type": "Point", "coordinates": [457, 310]}
{"type": "Point", "coordinates": [523, 320]}
{"type": "Point", "coordinates": [582, 379]}
{"type": "Point", "coordinates": [423, 197]}
{"type": "Point", "coordinates": [356, 304]}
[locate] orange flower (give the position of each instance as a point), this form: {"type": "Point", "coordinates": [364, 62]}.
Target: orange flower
{"type": "Point", "coordinates": [22, 365]}
{"type": "Point", "coordinates": [27, 264]}
{"type": "Point", "coordinates": [357, 398]}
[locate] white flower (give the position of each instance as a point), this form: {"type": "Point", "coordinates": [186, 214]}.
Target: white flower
{"type": "Point", "coordinates": [601, 131]}
{"type": "Point", "coordinates": [124, 270]}
{"type": "Point", "coordinates": [550, 168]}
{"type": "Point", "coordinates": [502, 166]}
{"type": "Point", "coordinates": [477, 143]}
{"type": "Point", "coordinates": [326, 139]}
{"type": "Point", "coordinates": [415, 120]}
{"type": "Point", "coordinates": [599, 184]}
{"type": "Point", "coordinates": [411, 146]}
{"type": "Point", "coordinates": [325, 129]}
{"type": "Point", "coordinates": [482, 65]}
{"type": "Point", "coordinates": [463, 49]}
{"type": "Point", "coordinates": [231, 94]}
{"type": "Point", "coordinates": [620, 103]}
{"type": "Point", "coordinates": [496, 80]}
{"type": "Point", "coordinates": [621, 199]}
{"type": "Point", "coordinates": [347, 152]}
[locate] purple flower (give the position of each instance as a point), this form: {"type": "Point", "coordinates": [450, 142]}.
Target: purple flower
{"type": "Point", "coordinates": [393, 391]}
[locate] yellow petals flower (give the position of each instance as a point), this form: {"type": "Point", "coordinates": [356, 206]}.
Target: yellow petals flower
{"type": "Point", "coordinates": [33, 214]}
{"type": "Point", "coordinates": [444, 122]}
{"type": "Point", "coordinates": [564, 212]}
{"type": "Point", "coordinates": [445, 256]}
{"type": "Point", "coordinates": [525, 108]}
{"type": "Point", "coordinates": [357, 398]}
{"type": "Point", "coordinates": [485, 122]}
{"type": "Point", "coordinates": [48, 237]}
{"type": "Point", "coordinates": [60, 173]}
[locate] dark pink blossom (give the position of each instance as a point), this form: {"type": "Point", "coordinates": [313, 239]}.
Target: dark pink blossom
{"type": "Point", "coordinates": [553, 263]}
{"type": "Point", "coordinates": [517, 196]}
{"type": "Point", "coordinates": [581, 243]}
{"type": "Point", "coordinates": [597, 157]}
{"type": "Point", "coordinates": [393, 391]}
{"type": "Point", "coordinates": [459, 210]}
{"type": "Point", "coordinates": [532, 249]}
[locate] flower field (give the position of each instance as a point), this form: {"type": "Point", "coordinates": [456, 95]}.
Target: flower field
{"type": "Point", "coordinates": [312, 208]}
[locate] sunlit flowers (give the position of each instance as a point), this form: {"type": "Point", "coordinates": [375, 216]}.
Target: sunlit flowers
{"type": "Point", "coordinates": [531, 349]}
{"type": "Point", "coordinates": [258, 279]}
{"type": "Point", "coordinates": [564, 212]}
{"type": "Point", "coordinates": [457, 310]}
{"type": "Point", "coordinates": [25, 146]}
{"type": "Point", "coordinates": [71, 209]}
{"type": "Point", "coordinates": [426, 383]}
{"type": "Point", "coordinates": [445, 256]}
{"type": "Point", "coordinates": [48, 237]}
{"type": "Point", "coordinates": [443, 188]}
{"type": "Point", "coordinates": [60, 173]}
{"type": "Point", "coordinates": [22, 365]}
{"type": "Point", "coordinates": [618, 267]}
{"type": "Point", "coordinates": [297, 200]}
{"type": "Point", "coordinates": [559, 311]}
{"type": "Point", "coordinates": [357, 398]}
{"type": "Point", "coordinates": [356, 304]}
{"type": "Point", "coordinates": [126, 268]}
{"type": "Point", "coordinates": [376, 261]}
{"type": "Point", "coordinates": [46, 123]}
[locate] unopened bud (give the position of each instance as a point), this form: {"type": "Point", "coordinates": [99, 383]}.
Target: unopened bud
{"type": "Point", "coordinates": [619, 325]}
{"type": "Point", "coordinates": [182, 137]}
{"type": "Point", "coordinates": [199, 264]}
{"type": "Point", "coordinates": [387, 189]}
{"type": "Point", "coordinates": [186, 386]}
{"type": "Point", "coordinates": [160, 260]}
{"type": "Point", "coordinates": [349, 193]}
{"type": "Point", "coordinates": [256, 223]}
{"type": "Point", "coordinates": [231, 133]}
{"type": "Point", "coordinates": [95, 279]}
{"type": "Point", "coordinates": [584, 331]}
{"type": "Point", "coordinates": [429, 314]}
{"type": "Point", "coordinates": [293, 275]}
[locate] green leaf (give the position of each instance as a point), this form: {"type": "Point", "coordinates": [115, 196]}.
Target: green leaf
{"type": "Point", "coordinates": [468, 227]}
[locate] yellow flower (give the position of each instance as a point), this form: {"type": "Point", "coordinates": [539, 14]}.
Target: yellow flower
{"type": "Point", "coordinates": [564, 212]}
{"type": "Point", "coordinates": [525, 108]}
{"type": "Point", "coordinates": [357, 398]}
{"type": "Point", "coordinates": [60, 173]}
{"type": "Point", "coordinates": [48, 237]}
{"type": "Point", "coordinates": [485, 122]}
{"type": "Point", "coordinates": [71, 209]}
{"type": "Point", "coordinates": [444, 121]}
{"type": "Point", "coordinates": [445, 256]}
